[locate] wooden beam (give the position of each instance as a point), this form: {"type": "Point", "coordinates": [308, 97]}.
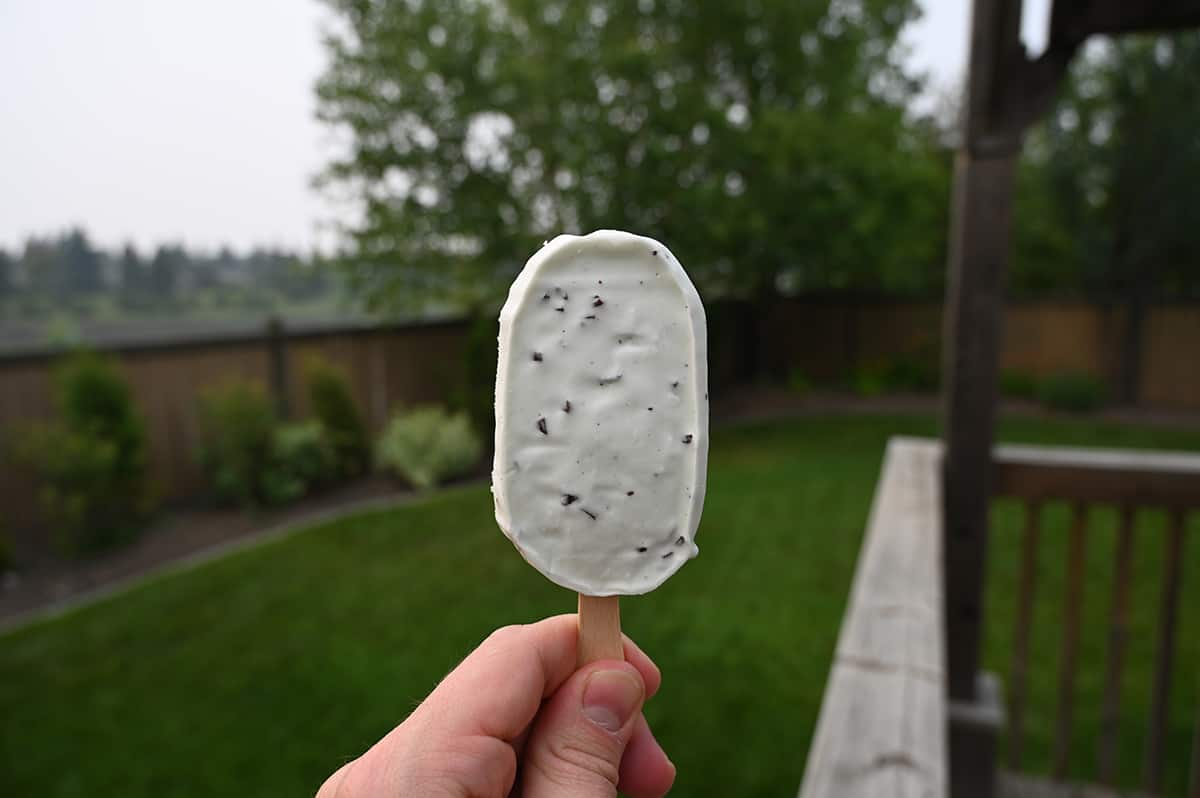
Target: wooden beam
{"type": "Point", "coordinates": [1098, 476]}
{"type": "Point", "coordinates": [882, 727]}
{"type": "Point", "coordinates": [1078, 20]}
{"type": "Point", "coordinates": [973, 315]}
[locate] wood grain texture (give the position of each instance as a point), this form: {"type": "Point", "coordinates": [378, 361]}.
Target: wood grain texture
{"type": "Point", "coordinates": [1168, 612]}
{"type": "Point", "coordinates": [1118, 632]}
{"type": "Point", "coordinates": [882, 726]}
{"type": "Point", "coordinates": [599, 629]}
{"type": "Point", "coordinates": [1069, 654]}
{"type": "Point", "coordinates": [1101, 476]}
{"type": "Point", "coordinates": [1020, 660]}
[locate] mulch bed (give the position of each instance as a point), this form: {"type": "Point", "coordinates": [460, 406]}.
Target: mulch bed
{"type": "Point", "coordinates": [44, 581]}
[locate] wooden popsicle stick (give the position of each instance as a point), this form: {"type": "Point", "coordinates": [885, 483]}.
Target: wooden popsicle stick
{"type": "Point", "coordinates": [600, 629]}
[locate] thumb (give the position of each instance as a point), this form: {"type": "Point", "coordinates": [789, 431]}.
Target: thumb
{"type": "Point", "coordinates": [575, 748]}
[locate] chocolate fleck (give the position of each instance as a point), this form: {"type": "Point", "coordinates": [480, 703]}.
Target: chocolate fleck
{"type": "Point", "coordinates": [628, 493]}
{"type": "Point", "coordinates": [541, 425]}
{"type": "Point", "coordinates": [679, 541]}
{"type": "Point", "coordinates": [597, 302]}
{"type": "Point", "coordinates": [588, 513]}
{"type": "Point", "coordinates": [651, 409]}
{"type": "Point", "coordinates": [654, 252]}
{"type": "Point", "coordinates": [686, 438]}
{"type": "Point", "coordinates": [589, 316]}
{"type": "Point", "coordinates": [546, 297]}
{"type": "Point", "coordinates": [642, 549]}
{"type": "Point", "coordinates": [561, 310]}
{"type": "Point", "coordinates": [537, 357]}
{"type": "Point", "coordinates": [569, 498]}
{"type": "Point", "coordinates": [668, 554]}
{"type": "Point", "coordinates": [675, 385]}
{"type": "Point", "coordinates": [567, 406]}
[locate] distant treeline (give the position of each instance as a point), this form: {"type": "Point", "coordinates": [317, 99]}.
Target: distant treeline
{"type": "Point", "coordinates": [66, 274]}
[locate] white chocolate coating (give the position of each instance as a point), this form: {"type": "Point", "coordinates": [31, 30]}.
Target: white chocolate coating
{"type": "Point", "coordinates": [602, 413]}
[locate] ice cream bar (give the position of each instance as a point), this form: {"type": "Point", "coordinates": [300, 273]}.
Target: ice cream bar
{"type": "Point", "coordinates": [602, 413]}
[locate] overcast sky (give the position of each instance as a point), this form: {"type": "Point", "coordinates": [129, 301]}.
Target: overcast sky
{"type": "Point", "coordinates": [166, 120]}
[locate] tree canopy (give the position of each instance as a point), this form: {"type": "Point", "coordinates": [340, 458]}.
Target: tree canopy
{"type": "Point", "coordinates": [1106, 203]}
{"type": "Point", "coordinates": [768, 142]}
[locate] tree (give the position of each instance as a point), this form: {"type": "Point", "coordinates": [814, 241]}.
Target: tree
{"type": "Point", "coordinates": [80, 263]}
{"type": "Point", "coordinates": [766, 141]}
{"type": "Point", "coordinates": [167, 272]}
{"type": "Point", "coordinates": [133, 278]}
{"type": "Point", "coordinates": [6, 275]}
{"type": "Point", "coordinates": [1110, 180]}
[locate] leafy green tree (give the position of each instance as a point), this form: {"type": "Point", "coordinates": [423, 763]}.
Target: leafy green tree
{"type": "Point", "coordinates": [1111, 175]}
{"type": "Point", "coordinates": [166, 272]}
{"type": "Point", "coordinates": [1108, 189]}
{"type": "Point", "coordinates": [81, 263]}
{"type": "Point", "coordinates": [133, 278]}
{"type": "Point", "coordinates": [6, 275]}
{"type": "Point", "coordinates": [766, 141]}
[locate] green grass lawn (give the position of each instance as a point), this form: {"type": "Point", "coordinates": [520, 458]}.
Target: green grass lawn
{"type": "Point", "coordinates": [261, 673]}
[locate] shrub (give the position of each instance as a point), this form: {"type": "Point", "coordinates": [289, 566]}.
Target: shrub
{"type": "Point", "coordinates": [1073, 392]}
{"type": "Point", "coordinates": [92, 461]}
{"type": "Point", "coordinates": [910, 373]}
{"type": "Point", "coordinates": [1018, 385]}
{"type": "Point", "coordinates": [798, 383]}
{"type": "Point", "coordinates": [7, 560]}
{"type": "Point", "coordinates": [427, 446]}
{"type": "Point", "coordinates": [867, 381]}
{"type": "Point", "coordinates": [237, 422]}
{"type": "Point", "coordinates": [334, 409]}
{"type": "Point", "coordinates": [304, 457]}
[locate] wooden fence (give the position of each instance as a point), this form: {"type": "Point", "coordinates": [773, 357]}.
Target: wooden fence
{"type": "Point", "coordinates": [389, 365]}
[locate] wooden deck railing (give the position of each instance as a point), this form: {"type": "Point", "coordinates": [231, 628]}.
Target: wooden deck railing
{"type": "Point", "coordinates": [882, 727]}
{"type": "Point", "coordinates": [1130, 481]}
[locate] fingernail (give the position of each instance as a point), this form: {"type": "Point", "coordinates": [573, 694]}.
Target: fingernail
{"type": "Point", "coordinates": [610, 698]}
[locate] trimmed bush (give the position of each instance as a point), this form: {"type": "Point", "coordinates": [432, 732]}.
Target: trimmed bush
{"type": "Point", "coordinates": [911, 373]}
{"type": "Point", "coordinates": [7, 560]}
{"type": "Point", "coordinates": [334, 409]}
{"type": "Point", "coordinates": [427, 446]}
{"type": "Point", "coordinates": [237, 422]}
{"type": "Point", "coordinates": [1072, 392]}
{"type": "Point", "coordinates": [798, 382]}
{"type": "Point", "coordinates": [92, 461]}
{"type": "Point", "coordinates": [304, 456]}
{"type": "Point", "coordinates": [1018, 385]}
{"type": "Point", "coordinates": [868, 381]}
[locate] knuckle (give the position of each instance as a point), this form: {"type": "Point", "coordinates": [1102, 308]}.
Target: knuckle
{"type": "Point", "coordinates": [503, 636]}
{"type": "Point", "coordinates": [569, 761]}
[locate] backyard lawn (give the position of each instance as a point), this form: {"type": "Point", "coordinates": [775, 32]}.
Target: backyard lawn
{"type": "Point", "coordinates": [261, 673]}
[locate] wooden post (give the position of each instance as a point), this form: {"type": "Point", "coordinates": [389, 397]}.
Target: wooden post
{"type": "Point", "coordinates": [1168, 614]}
{"type": "Point", "coordinates": [1020, 661]}
{"type": "Point", "coordinates": [1110, 714]}
{"type": "Point", "coordinates": [984, 174]}
{"type": "Point", "coordinates": [973, 319]}
{"type": "Point", "coordinates": [979, 245]}
{"type": "Point", "coordinates": [277, 365]}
